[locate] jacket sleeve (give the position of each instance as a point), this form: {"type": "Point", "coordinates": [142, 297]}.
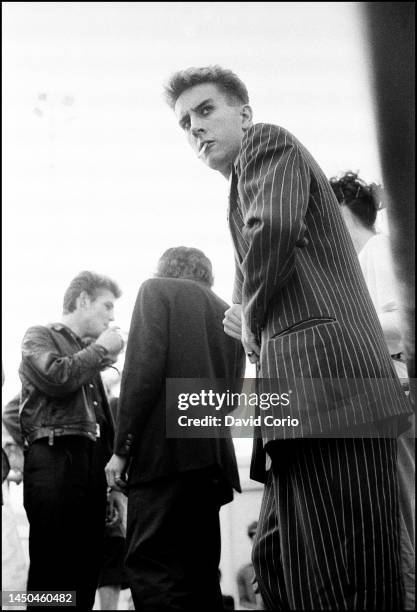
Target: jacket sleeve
{"type": "Point", "coordinates": [238, 284]}
{"type": "Point", "coordinates": [11, 420]}
{"type": "Point", "coordinates": [55, 374]}
{"type": "Point", "coordinates": [144, 369]}
{"type": "Point", "coordinates": [273, 190]}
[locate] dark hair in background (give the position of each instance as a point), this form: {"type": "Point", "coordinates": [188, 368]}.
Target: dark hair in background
{"type": "Point", "coordinates": [91, 283]}
{"type": "Point", "coordinates": [225, 79]}
{"type": "Point", "coordinates": [185, 262]}
{"type": "Point", "coordinates": [363, 200]}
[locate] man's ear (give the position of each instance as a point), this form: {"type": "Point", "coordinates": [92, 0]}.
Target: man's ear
{"type": "Point", "coordinates": [83, 300]}
{"type": "Point", "coordinates": [247, 116]}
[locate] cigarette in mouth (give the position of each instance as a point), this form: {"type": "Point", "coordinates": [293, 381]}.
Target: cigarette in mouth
{"type": "Point", "coordinates": [203, 148]}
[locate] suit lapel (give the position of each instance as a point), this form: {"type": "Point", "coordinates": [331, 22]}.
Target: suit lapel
{"type": "Point", "coordinates": [235, 218]}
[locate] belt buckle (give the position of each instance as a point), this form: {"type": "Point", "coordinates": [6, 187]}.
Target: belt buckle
{"type": "Point", "coordinates": [97, 430]}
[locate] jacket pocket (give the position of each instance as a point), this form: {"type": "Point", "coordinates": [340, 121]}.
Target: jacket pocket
{"type": "Point", "coordinates": [302, 325]}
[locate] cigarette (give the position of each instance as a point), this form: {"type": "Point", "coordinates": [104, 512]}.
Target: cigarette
{"type": "Point", "coordinates": [203, 148]}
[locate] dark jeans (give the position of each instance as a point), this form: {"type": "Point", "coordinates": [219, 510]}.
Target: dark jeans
{"type": "Point", "coordinates": [173, 544]}
{"type": "Point", "coordinates": [65, 502]}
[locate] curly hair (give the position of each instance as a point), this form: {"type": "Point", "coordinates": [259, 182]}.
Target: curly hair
{"type": "Point", "coordinates": [91, 283]}
{"type": "Point", "coordinates": [362, 199]}
{"type": "Point", "coordinates": [185, 262]}
{"type": "Point", "coordinates": [225, 79]}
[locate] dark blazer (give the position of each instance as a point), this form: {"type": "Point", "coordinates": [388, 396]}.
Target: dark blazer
{"type": "Point", "coordinates": [176, 332]}
{"type": "Point", "coordinates": [301, 288]}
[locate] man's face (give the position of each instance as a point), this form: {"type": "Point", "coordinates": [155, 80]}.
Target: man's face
{"type": "Point", "coordinates": [206, 115]}
{"type": "Point", "coordinates": [98, 313]}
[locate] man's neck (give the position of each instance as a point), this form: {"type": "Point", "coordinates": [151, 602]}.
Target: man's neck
{"type": "Point", "coordinates": [231, 171]}
{"type": "Point", "coordinates": [227, 172]}
{"type": "Point", "coordinates": [72, 321]}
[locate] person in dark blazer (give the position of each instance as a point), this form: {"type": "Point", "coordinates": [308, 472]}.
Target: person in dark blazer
{"type": "Point", "coordinates": [176, 485]}
{"type": "Point", "coordinates": [328, 526]}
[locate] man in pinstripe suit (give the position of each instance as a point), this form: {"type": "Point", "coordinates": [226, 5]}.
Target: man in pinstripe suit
{"type": "Point", "coordinates": [328, 531]}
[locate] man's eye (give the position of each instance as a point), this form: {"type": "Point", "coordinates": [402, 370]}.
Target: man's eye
{"type": "Point", "coordinates": [205, 110]}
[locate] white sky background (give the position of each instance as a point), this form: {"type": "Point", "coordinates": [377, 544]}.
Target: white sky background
{"type": "Point", "coordinates": [96, 172]}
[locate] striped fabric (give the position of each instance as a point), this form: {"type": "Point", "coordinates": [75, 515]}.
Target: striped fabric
{"type": "Point", "coordinates": [328, 531]}
{"type": "Point", "coordinates": [300, 284]}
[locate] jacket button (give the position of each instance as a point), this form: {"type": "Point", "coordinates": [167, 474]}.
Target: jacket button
{"type": "Point", "coordinates": [95, 403]}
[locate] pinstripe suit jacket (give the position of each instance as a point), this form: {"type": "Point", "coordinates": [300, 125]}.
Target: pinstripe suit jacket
{"type": "Point", "coordinates": [300, 285]}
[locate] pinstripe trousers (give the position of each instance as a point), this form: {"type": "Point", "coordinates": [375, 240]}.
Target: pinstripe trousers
{"type": "Point", "coordinates": [328, 532]}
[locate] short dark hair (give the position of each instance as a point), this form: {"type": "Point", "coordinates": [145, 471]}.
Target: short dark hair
{"type": "Point", "coordinates": [91, 283]}
{"type": "Point", "coordinates": [225, 79]}
{"type": "Point", "coordinates": [363, 200]}
{"type": "Point", "coordinates": [185, 262]}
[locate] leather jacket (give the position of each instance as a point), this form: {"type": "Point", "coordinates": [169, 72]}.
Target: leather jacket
{"type": "Point", "coordinates": [58, 375]}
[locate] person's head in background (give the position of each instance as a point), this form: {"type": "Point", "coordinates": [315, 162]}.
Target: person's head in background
{"type": "Point", "coordinates": [359, 205]}
{"type": "Point", "coordinates": [186, 262]}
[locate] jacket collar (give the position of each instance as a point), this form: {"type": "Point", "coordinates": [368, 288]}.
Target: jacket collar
{"type": "Point", "coordinates": [60, 327]}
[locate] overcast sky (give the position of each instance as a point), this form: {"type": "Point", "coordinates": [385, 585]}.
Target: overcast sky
{"type": "Point", "coordinates": [96, 172]}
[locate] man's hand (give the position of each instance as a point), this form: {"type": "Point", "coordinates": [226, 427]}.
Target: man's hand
{"type": "Point", "coordinates": [110, 359]}
{"type": "Point", "coordinates": [252, 348]}
{"type": "Point", "coordinates": [14, 454]}
{"type": "Point", "coordinates": [116, 508]}
{"type": "Point", "coordinates": [114, 470]}
{"type": "Point", "coordinates": [15, 476]}
{"type": "Point", "coordinates": [232, 322]}
{"type": "Point", "coordinates": [111, 340]}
